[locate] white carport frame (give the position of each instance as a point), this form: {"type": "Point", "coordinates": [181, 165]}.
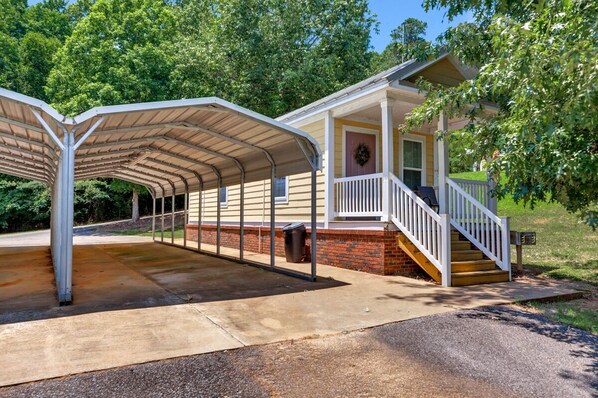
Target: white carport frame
{"type": "Point", "coordinates": [170, 147]}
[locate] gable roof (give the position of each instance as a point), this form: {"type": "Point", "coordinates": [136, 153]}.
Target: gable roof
{"type": "Point", "coordinates": [402, 71]}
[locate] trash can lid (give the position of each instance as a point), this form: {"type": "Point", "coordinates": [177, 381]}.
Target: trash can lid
{"type": "Point", "coordinates": [292, 226]}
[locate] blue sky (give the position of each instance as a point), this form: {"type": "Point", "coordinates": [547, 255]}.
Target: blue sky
{"type": "Point", "coordinates": [390, 13]}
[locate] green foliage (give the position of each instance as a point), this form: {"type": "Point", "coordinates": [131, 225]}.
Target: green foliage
{"type": "Point", "coordinates": [407, 42]}
{"type": "Point", "coordinates": [23, 204]}
{"type": "Point", "coordinates": [539, 66]}
{"type": "Point", "coordinates": [36, 52]}
{"type": "Point", "coordinates": [271, 56]}
{"type": "Point", "coordinates": [121, 186]}
{"type": "Point", "coordinates": [119, 53]}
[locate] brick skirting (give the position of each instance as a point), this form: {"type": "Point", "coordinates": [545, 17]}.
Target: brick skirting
{"type": "Point", "coordinates": [370, 251]}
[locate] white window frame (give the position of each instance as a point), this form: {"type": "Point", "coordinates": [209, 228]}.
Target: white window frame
{"type": "Point", "coordinates": [283, 200]}
{"type": "Point", "coordinates": [362, 130]}
{"type": "Point", "coordinates": [413, 138]}
{"type": "Point", "coordinates": [223, 205]}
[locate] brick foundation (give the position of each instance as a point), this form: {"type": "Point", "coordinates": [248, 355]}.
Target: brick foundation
{"type": "Point", "coordinates": [370, 251]}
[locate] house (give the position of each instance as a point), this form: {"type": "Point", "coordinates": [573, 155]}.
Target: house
{"type": "Point", "coordinates": [368, 216]}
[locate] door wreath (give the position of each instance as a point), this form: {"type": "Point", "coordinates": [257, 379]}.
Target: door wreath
{"type": "Point", "coordinates": [362, 154]}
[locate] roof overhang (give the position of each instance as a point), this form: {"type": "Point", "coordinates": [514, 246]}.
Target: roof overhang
{"type": "Point", "coordinates": [169, 146]}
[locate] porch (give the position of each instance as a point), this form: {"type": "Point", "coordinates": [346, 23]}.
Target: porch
{"type": "Point", "coordinates": [374, 178]}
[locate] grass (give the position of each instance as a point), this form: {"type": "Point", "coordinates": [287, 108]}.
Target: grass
{"type": "Point", "coordinates": [566, 248]}
{"type": "Point", "coordinates": [178, 232]}
{"type": "Point", "coordinates": [570, 312]}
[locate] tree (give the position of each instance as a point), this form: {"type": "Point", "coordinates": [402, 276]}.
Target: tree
{"type": "Point", "coordinates": [119, 53]}
{"type": "Point", "coordinates": [125, 187]}
{"type": "Point", "coordinates": [538, 64]}
{"type": "Point", "coordinates": [407, 42]}
{"type": "Point", "coordinates": [271, 56]}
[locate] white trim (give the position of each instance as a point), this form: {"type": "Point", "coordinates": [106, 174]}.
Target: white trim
{"type": "Point", "coordinates": [223, 205]}
{"type": "Point", "coordinates": [362, 130]}
{"type": "Point", "coordinates": [283, 200]}
{"type": "Point", "coordinates": [414, 138]}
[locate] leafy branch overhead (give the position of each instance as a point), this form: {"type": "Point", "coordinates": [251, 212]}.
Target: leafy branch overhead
{"type": "Point", "coordinates": [538, 65]}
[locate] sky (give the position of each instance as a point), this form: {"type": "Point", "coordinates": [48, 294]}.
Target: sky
{"type": "Point", "coordinates": [390, 14]}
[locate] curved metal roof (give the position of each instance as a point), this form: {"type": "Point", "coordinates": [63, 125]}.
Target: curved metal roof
{"type": "Point", "coordinates": [165, 146]}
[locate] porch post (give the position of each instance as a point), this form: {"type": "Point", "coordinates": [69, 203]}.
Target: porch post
{"type": "Point", "coordinates": [387, 155]}
{"type": "Point", "coordinates": [329, 168]}
{"type": "Point", "coordinates": [443, 164]}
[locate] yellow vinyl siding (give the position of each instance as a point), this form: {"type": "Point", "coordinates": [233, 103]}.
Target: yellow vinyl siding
{"type": "Point", "coordinates": [257, 196]}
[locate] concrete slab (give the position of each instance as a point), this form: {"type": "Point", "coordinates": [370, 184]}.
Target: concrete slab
{"type": "Point", "coordinates": [39, 350]}
{"type": "Point", "coordinates": [142, 302]}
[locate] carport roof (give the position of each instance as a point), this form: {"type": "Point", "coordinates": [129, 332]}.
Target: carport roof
{"type": "Point", "coordinates": [165, 146]}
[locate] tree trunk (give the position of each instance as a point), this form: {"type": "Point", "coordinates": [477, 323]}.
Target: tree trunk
{"type": "Point", "coordinates": [135, 210]}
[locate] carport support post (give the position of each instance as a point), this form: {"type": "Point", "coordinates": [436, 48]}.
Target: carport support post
{"type": "Point", "coordinates": [185, 216]}
{"type": "Point", "coordinates": [65, 199]}
{"type": "Point", "coordinates": [199, 200]}
{"type": "Point", "coordinates": [153, 217]}
{"type": "Point", "coordinates": [314, 221]}
{"type": "Point", "coordinates": [162, 220]}
{"type": "Point", "coordinates": [272, 220]}
{"type": "Point", "coordinates": [218, 206]}
{"type": "Point", "coordinates": [172, 219]}
{"type": "Point", "coordinates": [242, 217]}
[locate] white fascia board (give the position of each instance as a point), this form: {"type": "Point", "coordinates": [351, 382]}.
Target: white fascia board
{"type": "Point", "coordinates": [335, 103]}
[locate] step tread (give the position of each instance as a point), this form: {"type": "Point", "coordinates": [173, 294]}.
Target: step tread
{"type": "Point", "coordinates": [472, 262]}
{"type": "Point", "coordinates": [479, 273]}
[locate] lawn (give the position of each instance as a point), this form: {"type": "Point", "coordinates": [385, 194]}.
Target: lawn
{"type": "Point", "coordinates": [566, 248]}
{"type": "Point", "coordinates": [178, 232]}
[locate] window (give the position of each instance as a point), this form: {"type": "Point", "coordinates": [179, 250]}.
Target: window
{"type": "Point", "coordinates": [413, 163]}
{"type": "Point", "coordinates": [223, 196]}
{"type": "Point", "coordinates": [281, 189]}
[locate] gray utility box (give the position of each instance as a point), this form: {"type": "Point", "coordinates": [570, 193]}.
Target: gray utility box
{"type": "Point", "coordinates": [294, 242]}
{"type": "Point", "coordinates": [520, 239]}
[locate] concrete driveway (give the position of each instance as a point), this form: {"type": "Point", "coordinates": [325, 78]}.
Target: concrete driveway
{"type": "Point", "coordinates": [140, 302]}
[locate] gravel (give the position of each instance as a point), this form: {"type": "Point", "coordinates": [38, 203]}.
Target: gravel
{"type": "Point", "coordinates": [489, 352]}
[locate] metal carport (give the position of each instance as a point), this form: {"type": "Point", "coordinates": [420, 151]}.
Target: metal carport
{"type": "Point", "coordinates": [170, 147]}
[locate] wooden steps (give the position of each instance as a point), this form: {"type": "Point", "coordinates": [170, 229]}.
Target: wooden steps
{"type": "Point", "coordinates": [469, 266]}
{"type": "Point", "coordinates": [479, 277]}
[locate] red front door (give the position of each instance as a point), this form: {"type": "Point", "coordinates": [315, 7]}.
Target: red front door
{"type": "Point", "coordinates": [360, 154]}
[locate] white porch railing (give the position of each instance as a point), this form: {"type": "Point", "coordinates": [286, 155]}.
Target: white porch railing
{"type": "Point", "coordinates": [427, 230]}
{"type": "Point", "coordinates": [359, 196]}
{"type": "Point", "coordinates": [480, 191]}
{"type": "Point", "coordinates": [483, 228]}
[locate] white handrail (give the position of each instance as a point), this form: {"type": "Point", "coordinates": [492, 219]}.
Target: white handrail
{"type": "Point", "coordinates": [359, 196]}
{"type": "Point", "coordinates": [482, 227]}
{"type": "Point", "coordinates": [479, 190]}
{"type": "Point", "coordinates": [422, 225]}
